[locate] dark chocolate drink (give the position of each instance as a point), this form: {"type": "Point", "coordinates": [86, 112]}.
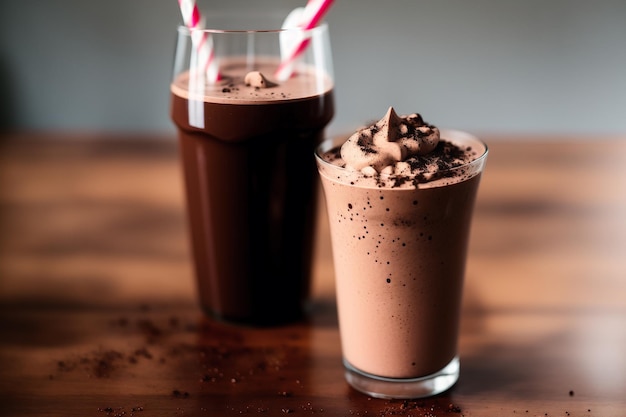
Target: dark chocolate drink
{"type": "Point", "coordinates": [250, 178]}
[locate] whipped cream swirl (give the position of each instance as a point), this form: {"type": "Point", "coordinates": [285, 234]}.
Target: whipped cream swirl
{"type": "Point", "coordinates": [391, 140]}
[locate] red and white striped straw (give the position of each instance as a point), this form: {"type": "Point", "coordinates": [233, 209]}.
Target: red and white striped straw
{"type": "Point", "coordinates": [201, 39]}
{"type": "Point", "coordinates": [315, 10]}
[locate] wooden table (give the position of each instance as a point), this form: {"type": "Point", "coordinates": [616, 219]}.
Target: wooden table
{"type": "Point", "coordinates": [98, 315]}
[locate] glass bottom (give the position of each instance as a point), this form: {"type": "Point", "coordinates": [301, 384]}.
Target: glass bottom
{"type": "Point", "coordinates": [258, 320]}
{"type": "Point", "coordinates": [403, 388]}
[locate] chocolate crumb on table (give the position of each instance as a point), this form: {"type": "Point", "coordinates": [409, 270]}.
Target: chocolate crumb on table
{"type": "Point", "coordinates": [180, 394]}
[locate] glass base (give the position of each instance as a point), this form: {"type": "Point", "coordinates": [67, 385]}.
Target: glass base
{"type": "Point", "coordinates": [403, 388]}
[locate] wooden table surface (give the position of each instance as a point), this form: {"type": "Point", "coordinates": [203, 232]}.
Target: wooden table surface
{"type": "Point", "coordinates": [98, 315]}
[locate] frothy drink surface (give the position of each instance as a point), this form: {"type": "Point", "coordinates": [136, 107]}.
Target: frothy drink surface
{"type": "Point", "coordinates": [399, 233]}
{"type": "Point", "coordinates": [250, 188]}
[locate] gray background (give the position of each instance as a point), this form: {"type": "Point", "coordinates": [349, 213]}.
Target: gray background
{"type": "Point", "coordinates": [488, 66]}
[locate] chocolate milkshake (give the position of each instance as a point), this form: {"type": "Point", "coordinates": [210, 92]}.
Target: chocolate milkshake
{"type": "Point", "coordinates": [246, 144]}
{"type": "Point", "coordinates": [400, 196]}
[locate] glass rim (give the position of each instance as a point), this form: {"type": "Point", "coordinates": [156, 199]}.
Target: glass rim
{"type": "Point", "coordinates": [476, 163]}
{"type": "Point", "coordinates": [182, 29]}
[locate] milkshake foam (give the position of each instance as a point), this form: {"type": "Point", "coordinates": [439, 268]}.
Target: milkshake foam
{"type": "Point", "coordinates": [244, 83]}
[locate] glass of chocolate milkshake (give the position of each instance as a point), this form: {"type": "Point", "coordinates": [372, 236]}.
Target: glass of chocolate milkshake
{"type": "Point", "coordinates": [400, 195]}
{"type": "Point", "coordinates": [246, 138]}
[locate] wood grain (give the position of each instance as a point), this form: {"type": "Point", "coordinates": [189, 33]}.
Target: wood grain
{"type": "Point", "coordinates": [98, 315]}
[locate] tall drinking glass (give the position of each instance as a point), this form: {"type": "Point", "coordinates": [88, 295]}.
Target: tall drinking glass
{"type": "Point", "coordinates": [399, 253]}
{"type": "Point", "coordinates": [246, 141]}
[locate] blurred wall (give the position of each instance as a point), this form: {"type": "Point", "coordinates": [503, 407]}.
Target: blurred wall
{"type": "Point", "coordinates": [503, 66]}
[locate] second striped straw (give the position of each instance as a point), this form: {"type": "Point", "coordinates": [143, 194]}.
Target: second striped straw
{"type": "Point", "coordinates": [201, 39]}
